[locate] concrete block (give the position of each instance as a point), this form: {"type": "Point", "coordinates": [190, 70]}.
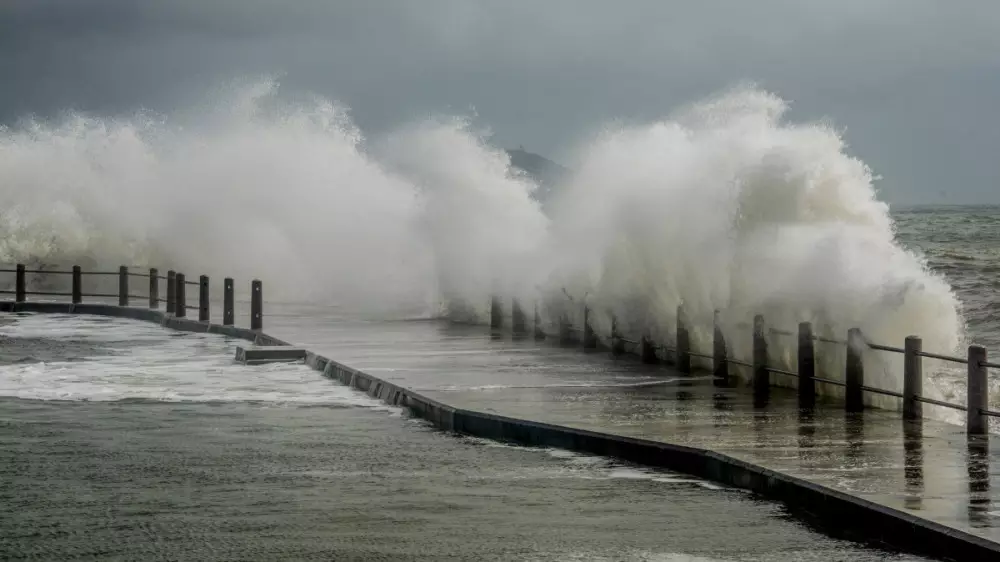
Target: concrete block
{"type": "Point", "coordinates": [269, 354]}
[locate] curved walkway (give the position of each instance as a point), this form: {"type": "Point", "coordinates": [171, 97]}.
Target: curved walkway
{"type": "Point", "coordinates": [917, 488]}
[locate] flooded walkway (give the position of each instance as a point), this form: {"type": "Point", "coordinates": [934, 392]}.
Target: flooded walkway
{"type": "Point", "coordinates": [123, 440]}
{"type": "Point", "coordinates": [927, 469]}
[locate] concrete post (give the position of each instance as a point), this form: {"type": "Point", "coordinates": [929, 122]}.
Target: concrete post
{"type": "Point", "coordinates": [683, 342]}
{"type": "Point", "coordinates": [171, 292]}
{"type": "Point", "coordinates": [761, 376]}
{"type": "Point", "coordinates": [978, 392]}
{"type": "Point", "coordinates": [539, 332]}
{"type": "Point", "coordinates": [123, 286]}
{"type": "Point", "coordinates": [203, 309]}
{"type": "Point", "coordinates": [720, 364]}
{"type": "Point", "coordinates": [77, 285]}
{"type": "Point", "coordinates": [564, 334]}
{"type": "Point", "coordinates": [518, 322]}
{"type": "Point", "coordinates": [647, 351]}
{"type": "Point", "coordinates": [496, 313]}
{"type": "Point", "coordinates": [854, 396]}
{"type": "Point", "coordinates": [256, 305]}
{"type": "Point", "coordinates": [20, 291]}
{"type": "Point", "coordinates": [180, 302]}
{"type": "Point", "coordinates": [154, 288]}
{"type": "Point", "coordinates": [617, 343]}
{"type": "Point", "coordinates": [589, 339]}
{"type": "Point", "coordinates": [913, 378]}
{"type": "Point", "coordinates": [228, 312]}
{"type": "Point", "coordinates": [807, 366]}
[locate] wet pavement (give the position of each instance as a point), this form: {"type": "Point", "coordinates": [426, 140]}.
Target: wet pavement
{"type": "Point", "coordinates": [928, 469]}
{"type": "Point", "coordinates": [123, 440]}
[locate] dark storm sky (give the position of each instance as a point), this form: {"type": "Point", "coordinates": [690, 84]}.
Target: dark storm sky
{"type": "Point", "coordinates": [913, 83]}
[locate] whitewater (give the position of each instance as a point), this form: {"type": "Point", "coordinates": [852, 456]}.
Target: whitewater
{"type": "Point", "coordinates": [723, 204]}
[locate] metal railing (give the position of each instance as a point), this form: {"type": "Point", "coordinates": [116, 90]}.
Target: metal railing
{"type": "Point", "coordinates": [176, 292]}
{"type": "Point", "coordinates": [856, 344]}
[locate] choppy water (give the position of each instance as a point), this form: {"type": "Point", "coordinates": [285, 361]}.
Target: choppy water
{"type": "Point", "coordinates": [963, 244]}
{"type": "Point", "coordinates": [122, 441]}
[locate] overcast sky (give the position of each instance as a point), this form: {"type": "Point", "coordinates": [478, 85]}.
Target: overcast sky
{"type": "Point", "coordinates": [914, 83]}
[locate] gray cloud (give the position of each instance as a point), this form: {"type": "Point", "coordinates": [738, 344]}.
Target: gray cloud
{"type": "Point", "coordinates": [911, 81]}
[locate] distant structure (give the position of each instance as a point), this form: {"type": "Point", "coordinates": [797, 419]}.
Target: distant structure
{"type": "Point", "coordinates": [546, 173]}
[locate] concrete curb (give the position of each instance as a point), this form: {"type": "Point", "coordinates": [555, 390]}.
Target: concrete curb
{"type": "Point", "coordinates": [835, 510]}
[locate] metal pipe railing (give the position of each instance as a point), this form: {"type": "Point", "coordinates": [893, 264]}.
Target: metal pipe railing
{"type": "Point", "coordinates": [782, 372]}
{"type": "Point", "coordinates": [948, 358]}
{"type": "Point", "coordinates": [175, 291]}
{"type": "Point", "coordinates": [856, 345]}
{"type": "Point", "coordinates": [878, 347]}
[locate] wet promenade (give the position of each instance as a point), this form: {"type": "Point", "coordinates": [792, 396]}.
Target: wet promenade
{"type": "Point", "coordinates": [928, 469]}
{"type": "Point", "coordinates": [123, 440]}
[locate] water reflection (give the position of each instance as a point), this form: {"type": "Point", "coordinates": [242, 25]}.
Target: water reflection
{"type": "Point", "coordinates": [684, 406]}
{"type": "Point", "coordinates": [685, 398]}
{"type": "Point", "coordinates": [728, 381]}
{"type": "Point", "coordinates": [722, 408]}
{"type": "Point", "coordinates": [854, 436]}
{"type": "Point", "coordinates": [978, 460]}
{"type": "Point", "coordinates": [761, 397]}
{"type": "Point", "coordinates": [520, 335]}
{"type": "Point", "coordinates": [807, 434]}
{"type": "Point", "coordinates": [760, 432]}
{"type": "Point", "coordinates": [913, 463]}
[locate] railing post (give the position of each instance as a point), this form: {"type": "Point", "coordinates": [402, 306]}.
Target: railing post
{"type": "Point", "coordinates": [171, 291]}
{"type": "Point", "coordinates": [77, 285]}
{"type": "Point", "coordinates": [19, 285]}
{"type": "Point", "coordinates": [913, 378]}
{"type": "Point", "coordinates": [256, 306]}
{"type": "Point", "coordinates": [228, 314]}
{"type": "Point", "coordinates": [123, 286]}
{"type": "Point", "coordinates": [518, 322]}
{"type": "Point", "coordinates": [646, 349]}
{"type": "Point", "coordinates": [854, 396]}
{"type": "Point", "coordinates": [180, 304]}
{"type": "Point", "coordinates": [203, 309]}
{"type": "Point", "coordinates": [539, 332]}
{"type": "Point", "coordinates": [154, 288]}
{"type": "Point", "coordinates": [978, 392]}
{"type": "Point", "coordinates": [589, 339]}
{"type": "Point", "coordinates": [720, 367]}
{"type": "Point", "coordinates": [683, 363]}
{"type": "Point", "coordinates": [496, 313]}
{"type": "Point", "coordinates": [564, 333]}
{"type": "Point", "coordinates": [617, 344]}
{"type": "Point", "coordinates": [761, 376]}
{"type": "Point", "coordinates": [807, 366]}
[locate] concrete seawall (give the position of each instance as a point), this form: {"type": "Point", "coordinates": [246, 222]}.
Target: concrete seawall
{"type": "Point", "coordinates": [836, 511]}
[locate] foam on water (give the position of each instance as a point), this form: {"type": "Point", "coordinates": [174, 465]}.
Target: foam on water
{"type": "Point", "coordinates": [722, 205]}
{"type": "Point", "coordinates": [133, 360]}
{"type": "Point", "coordinates": [660, 381]}
{"type": "Point", "coordinates": [592, 467]}
{"type": "Point", "coordinates": [629, 556]}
